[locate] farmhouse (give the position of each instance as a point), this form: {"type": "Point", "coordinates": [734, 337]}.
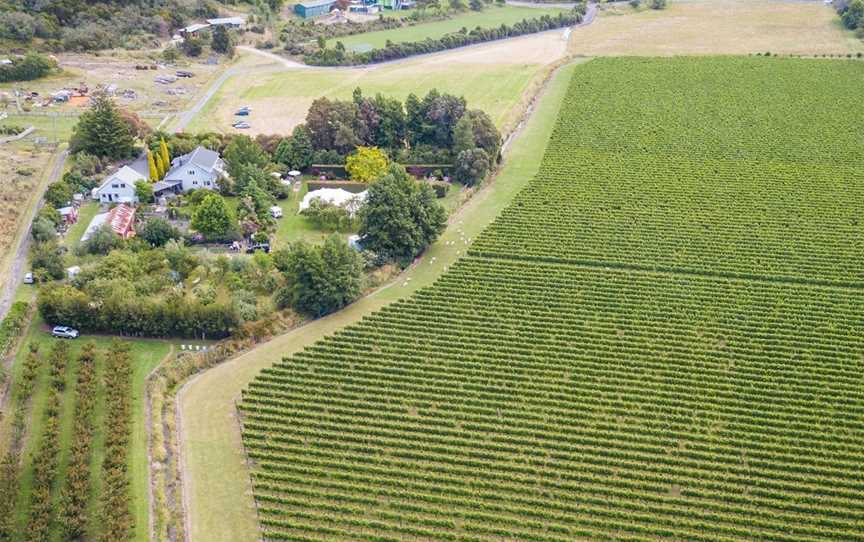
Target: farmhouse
{"type": "Point", "coordinates": [201, 168]}
{"type": "Point", "coordinates": [119, 187]}
{"type": "Point", "coordinates": [313, 8]}
{"type": "Point", "coordinates": [228, 22]}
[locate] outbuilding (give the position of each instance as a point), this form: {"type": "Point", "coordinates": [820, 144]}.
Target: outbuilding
{"type": "Point", "coordinates": [228, 22]}
{"type": "Point", "coordinates": [313, 8]}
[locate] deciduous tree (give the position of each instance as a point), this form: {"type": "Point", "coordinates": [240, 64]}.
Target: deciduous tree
{"type": "Point", "coordinates": [401, 217]}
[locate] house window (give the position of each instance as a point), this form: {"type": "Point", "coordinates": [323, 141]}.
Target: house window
{"type": "Point", "coordinates": [115, 185]}
{"type": "Point", "coordinates": [206, 183]}
{"type": "Point", "coordinates": [122, 185]}
{"type": "Point", "coordinates": [191, 172]}
{"type": "Point", "coordinates": [195, 183]}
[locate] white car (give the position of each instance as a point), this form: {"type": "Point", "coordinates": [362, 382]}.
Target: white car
{"type": "Point", "coordinates": [65, 332]}
{"type": "Point", "coordinates": [241, 125]}
{"type": "Point", "coordinates": [28, 278]}
{"type": "Point", "coordinates": [276, 211]}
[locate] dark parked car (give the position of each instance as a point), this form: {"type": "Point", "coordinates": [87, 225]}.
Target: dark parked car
{"type": "Point", "coordinates": [258, 246]}
{"type": "Point", "coordinates": [181, 73]}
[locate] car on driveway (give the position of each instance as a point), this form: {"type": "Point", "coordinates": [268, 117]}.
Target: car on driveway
{"type": "Point", "coordinates": [263, 247]}
{"type": "Point", "coordinates": [28, 278]}
{"type": "Point", "coordinates": [241, 125]}
{"type": "Point", "coordinates": [65, 332]}
{"type": "Point", "coordinates": [243, 112]}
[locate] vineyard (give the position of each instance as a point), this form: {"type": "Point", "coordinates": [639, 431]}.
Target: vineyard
{"type": "Point", "coordinates": [661, 338]}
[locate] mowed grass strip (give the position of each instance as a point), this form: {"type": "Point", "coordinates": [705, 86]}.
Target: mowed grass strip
{"type": "Point", "coordinates": [491, 17]}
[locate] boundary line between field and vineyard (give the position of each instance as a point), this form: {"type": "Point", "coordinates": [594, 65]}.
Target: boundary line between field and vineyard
{"type": "Point", "coordinates": [648, 270]}
{"type": "Point", "coordinates": [527, 109]}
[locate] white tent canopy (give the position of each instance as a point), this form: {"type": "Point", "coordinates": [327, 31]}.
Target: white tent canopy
{"type": "Point", "coordinates": [336, 196]}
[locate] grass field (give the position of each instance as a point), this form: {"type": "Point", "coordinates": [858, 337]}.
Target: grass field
{"type": "Point", "coordinates": [493, 16]}
{"type": "Point", "coordinates": [568, 384]}
{"type": "Point", "coordinates": [146, 354]}
{"type": "Point", "coordinates": [702, 27]}
{"type": "Point", "coordinates": [493, 77]}
{"type": "Point", "coordinates": [220, 506]}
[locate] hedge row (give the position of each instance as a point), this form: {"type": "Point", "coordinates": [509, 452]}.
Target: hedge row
{"type": "Point", "coordinates": [116, 522]}
{"type": "Point", "coordinates": [394, 51]}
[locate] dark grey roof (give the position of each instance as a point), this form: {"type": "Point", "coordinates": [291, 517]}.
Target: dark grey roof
{"type": "Point", "coordinates": [164, 185]}
{"type": "Point", "coordinates": [141, 165]}
{"type": "Point", "coordinates": [201, 157]}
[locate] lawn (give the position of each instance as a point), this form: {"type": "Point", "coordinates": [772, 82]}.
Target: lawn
{"type": "Point", "coordinates": [55, 127]}
{"type": "Point", "coordinates": [493, 77]}
{"type": "Point", "coordinates": [492, 16]}
{"type": "Point", "coordinates": [221, 507]}
{"type": "Point", "coordinates": [280, 101]}
{"type": "Point", "coordinates": [716, 27]}
{"type": "Point", "coordinates": [146, 354]}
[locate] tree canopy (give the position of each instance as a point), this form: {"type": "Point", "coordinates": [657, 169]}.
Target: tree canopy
{"type": "Point", "coordinates": [212, 218]}
{"type": "Point", "coordinates": [102, 131]}
{"type": "Point", "coordinates": [401, 216]}
{"type": "Point", "coordinates": [320, 279]}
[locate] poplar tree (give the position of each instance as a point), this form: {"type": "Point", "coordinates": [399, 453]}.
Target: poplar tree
{"type": "Point", "coordinates": [154, 172]}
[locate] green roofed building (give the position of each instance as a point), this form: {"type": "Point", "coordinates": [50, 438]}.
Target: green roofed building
{"type": "Point", "coordinates": [313, 8]}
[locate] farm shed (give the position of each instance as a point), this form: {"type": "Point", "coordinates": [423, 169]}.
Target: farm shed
{"type": "Point", "coordinates": [228, 22]}
{"type": "Point", "coordinates": [313, 8]}
{"type": "Point", "coordinates": [193, 28]}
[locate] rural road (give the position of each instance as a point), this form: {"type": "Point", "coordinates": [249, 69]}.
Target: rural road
{"type": "Point", "coordinates": [16, 268]}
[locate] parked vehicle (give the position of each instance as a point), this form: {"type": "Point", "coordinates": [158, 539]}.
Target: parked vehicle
{"type": "Point", "coordinates": [28, 278]}
{"type": "Point", "coordinates": [243, 112]}
{"type": "Point", "coordinates": [241, 125]}
{"type": "Point", "coordinates": [65, 332]}
{"type": "Point", "coordinates": [265, 247]}
{"type": "Point", "coordinates": [181, 73]}
{"type": "Point", "coordinates": [276, 211]}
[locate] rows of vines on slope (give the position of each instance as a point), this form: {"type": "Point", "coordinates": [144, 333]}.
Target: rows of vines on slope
{"type": "Point", "coordinates": [700, 175]}
{"type": "Point", "coordinates": [384, 428]}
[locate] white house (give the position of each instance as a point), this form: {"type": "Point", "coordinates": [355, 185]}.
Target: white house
{"type": "Point", "coordinates": [119, 187]}
{"type": "Point", "coordinates": [201, 168]}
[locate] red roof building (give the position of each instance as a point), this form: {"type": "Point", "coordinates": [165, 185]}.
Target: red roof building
{"type": "Point", "coordinates": [122, 220]}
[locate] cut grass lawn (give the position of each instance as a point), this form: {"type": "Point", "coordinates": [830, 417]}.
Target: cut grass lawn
{"type": "Point", "coordinates": [280, 101]}
{"type": "Point", "coordinates": [491, 17]}
{"type": "Point", "coordinates": [220, 505]}
{"type": "Point", "coordinates": [717, 27]}
{"type": "Point", "coordinates": [493, 77]}
{"type": "Point", "coordinates": [146, 355]}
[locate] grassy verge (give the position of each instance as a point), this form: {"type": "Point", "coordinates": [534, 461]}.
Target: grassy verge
{"type": "Point", "coordinates": [491, 17]}
{"type": "Point", "coordinates": [218, 494]}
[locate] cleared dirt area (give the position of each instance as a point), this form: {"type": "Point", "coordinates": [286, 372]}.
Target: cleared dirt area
{"type": "Point", "coordinates": [134, 89]}
{"type": "Point", "coordinates": [492, 77]}
{"type": "Point", "coordinates": [717, 27]}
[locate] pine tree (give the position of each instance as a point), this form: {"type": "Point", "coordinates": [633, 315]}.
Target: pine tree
{"type": "Point", "coordinates": [154, 173]}
{"type": "Point", "coordinates": [102, 131]}
{"type": "Point", "coordinates": [166, 157]}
